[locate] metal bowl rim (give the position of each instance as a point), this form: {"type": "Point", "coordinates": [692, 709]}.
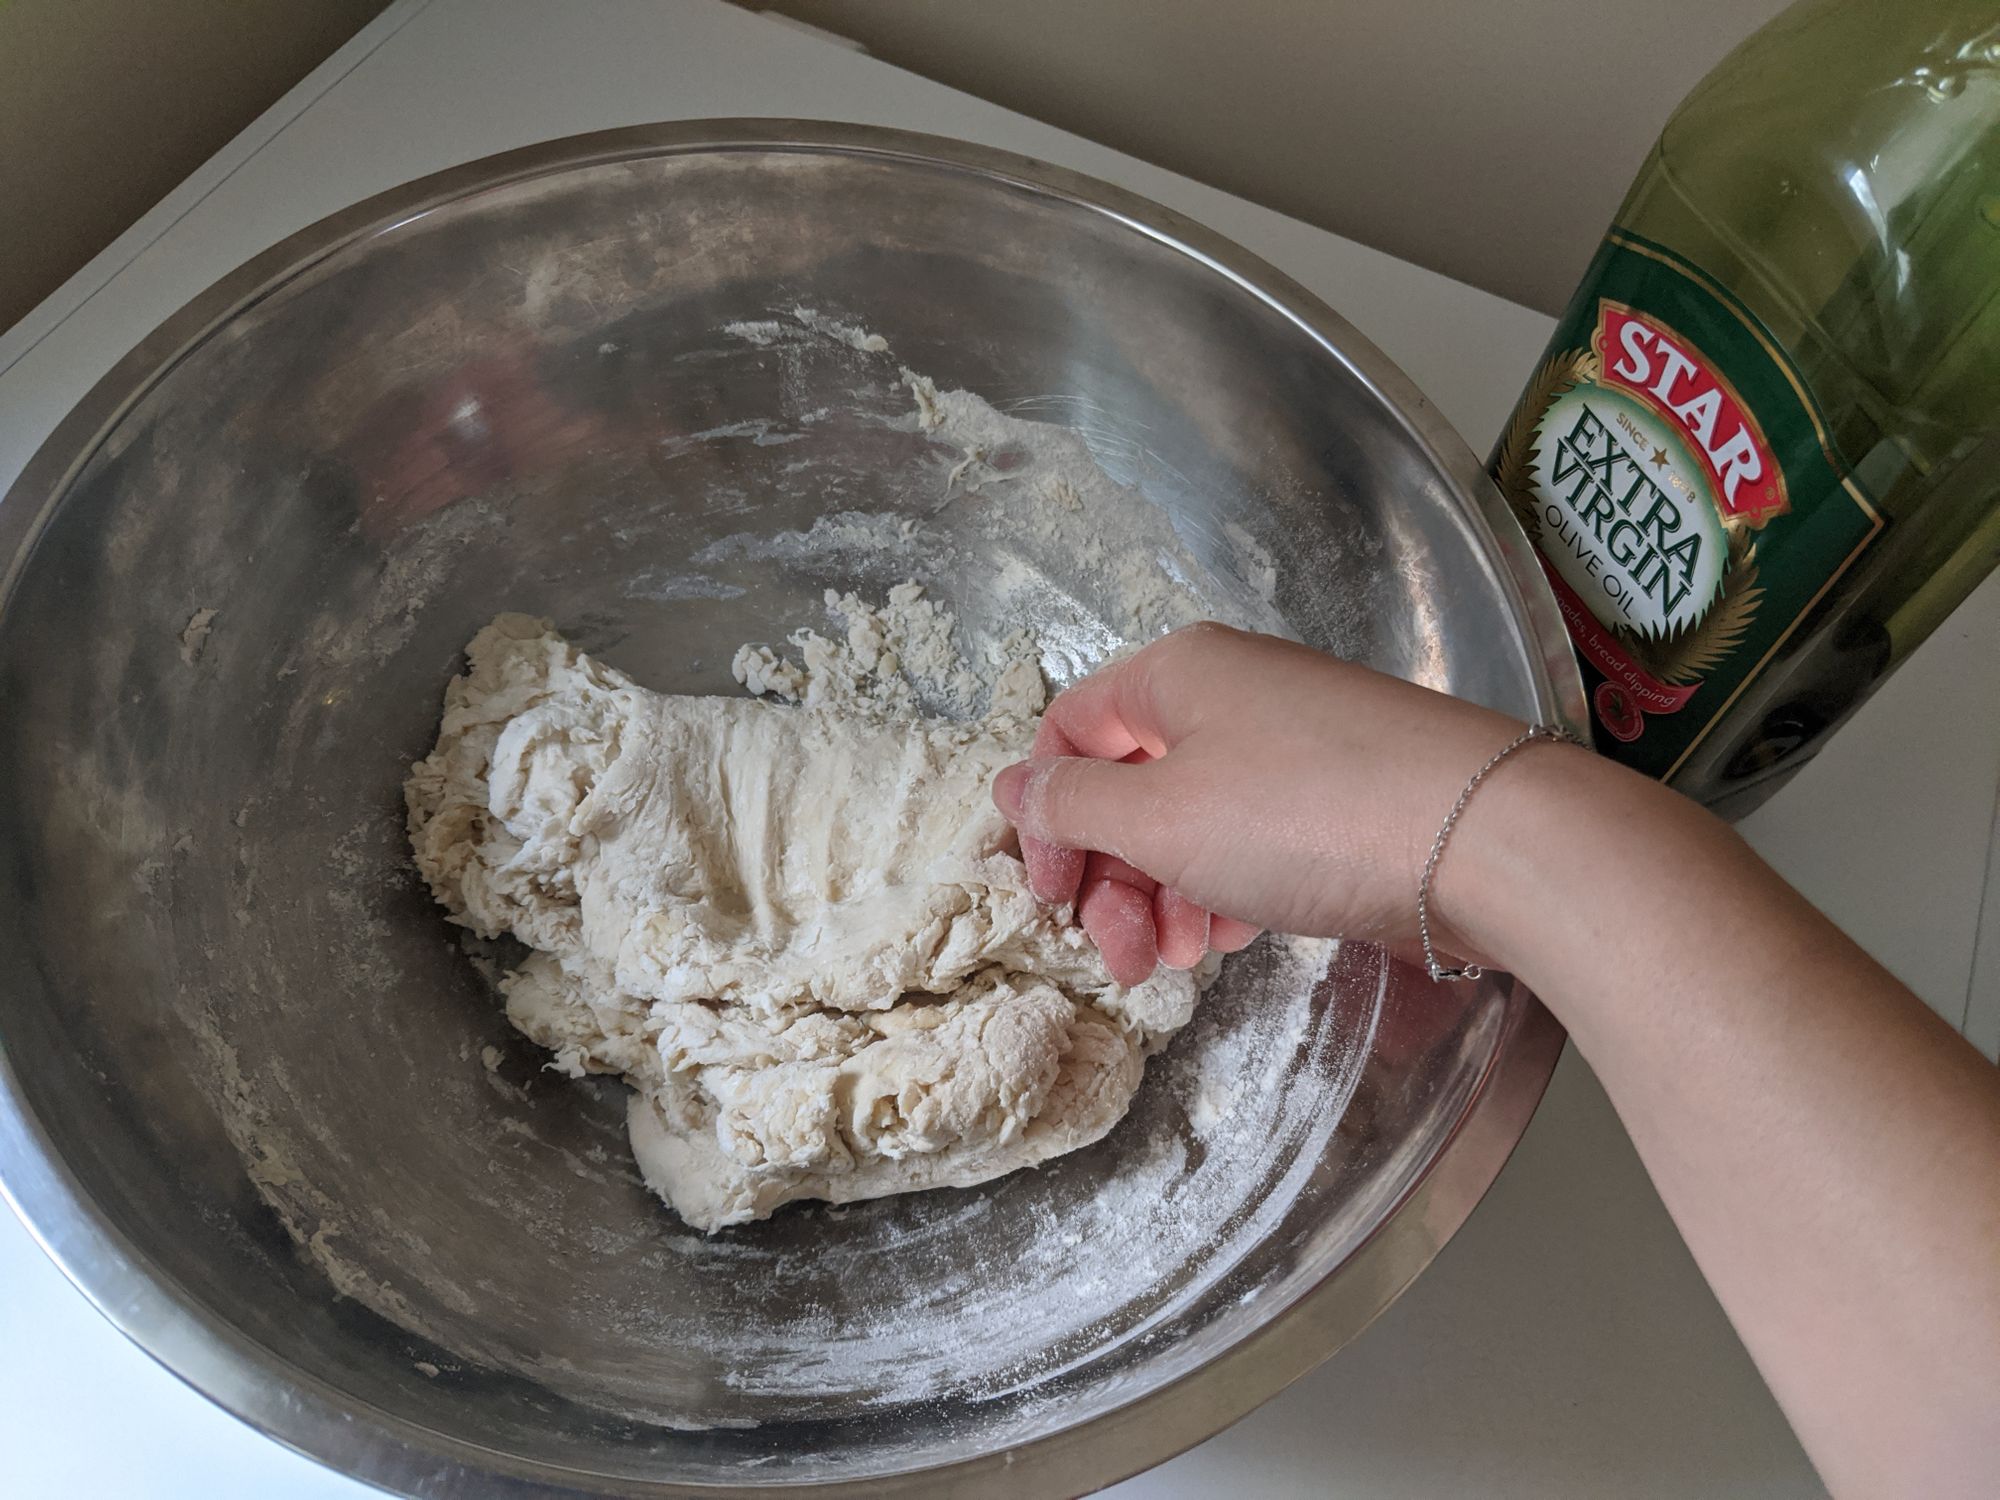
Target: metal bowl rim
{"type": "Point", "coordinates": [317, 1419]}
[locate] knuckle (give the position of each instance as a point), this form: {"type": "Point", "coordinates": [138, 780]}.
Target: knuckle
{"type": "Point", "coordinates": [1052, 794]}
{"type": "Point", "coordinates": [1193, 645]}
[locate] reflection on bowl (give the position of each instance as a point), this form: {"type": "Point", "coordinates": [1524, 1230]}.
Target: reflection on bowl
{"type": "Point", "coordinates": [261, 1106]}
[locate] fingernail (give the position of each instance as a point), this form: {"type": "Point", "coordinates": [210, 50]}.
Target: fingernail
{"type": "Point", "coordinates": [1009, 787]}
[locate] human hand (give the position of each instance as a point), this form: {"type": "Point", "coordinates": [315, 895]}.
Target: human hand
{"type": "Point", "coordinates": [1217, 783]}
{"type": "Point", "coordinates": [1822, 1138]}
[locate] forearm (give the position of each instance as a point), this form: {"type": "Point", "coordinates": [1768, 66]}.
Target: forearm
{"type": "Point", "coordinates": [1830, 1150]}
{"type": "Point", "coordinates": [1798, 1109]}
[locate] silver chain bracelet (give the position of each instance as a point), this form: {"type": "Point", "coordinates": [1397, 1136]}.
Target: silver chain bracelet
{"type": "Point", "coordinates": [1438, 971]}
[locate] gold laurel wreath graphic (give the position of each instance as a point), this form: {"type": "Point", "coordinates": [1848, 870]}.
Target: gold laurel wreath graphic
{"type": "Point", "coordinates": [1699, 647]}
{"type": "Point", "coordinates": [1516, 459]}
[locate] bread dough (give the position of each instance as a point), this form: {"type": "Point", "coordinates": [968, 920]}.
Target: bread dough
{"type": "Point", "coordinates": [798, 932]}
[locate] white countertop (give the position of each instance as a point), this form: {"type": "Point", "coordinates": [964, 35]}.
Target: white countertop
{"type": "Point", "coordinates": [1563, 1345]}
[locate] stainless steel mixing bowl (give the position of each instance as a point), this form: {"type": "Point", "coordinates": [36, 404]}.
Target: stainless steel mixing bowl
{"type": "Point", "coordinates": [260, 1104]}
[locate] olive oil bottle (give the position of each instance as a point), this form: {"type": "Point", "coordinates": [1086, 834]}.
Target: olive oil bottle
{"type": "Point", "coordinates": [1761, 459]}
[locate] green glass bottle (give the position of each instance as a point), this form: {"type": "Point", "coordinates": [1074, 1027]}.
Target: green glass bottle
{"type": "Point", "coordinates": [1762, 458]}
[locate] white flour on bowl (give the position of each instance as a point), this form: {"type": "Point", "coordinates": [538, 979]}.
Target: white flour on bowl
{"type": "Point", "coordinates": [1039, 557]}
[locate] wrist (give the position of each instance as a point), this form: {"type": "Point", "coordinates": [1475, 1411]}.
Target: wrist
{"type": "Point", "coordinates": [1434, 932]}
{"type": "Point", "coordinates": [1529, 840]}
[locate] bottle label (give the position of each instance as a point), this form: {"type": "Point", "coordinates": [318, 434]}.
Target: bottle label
{"type": "Point", "coordinates": [1686, 499]}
